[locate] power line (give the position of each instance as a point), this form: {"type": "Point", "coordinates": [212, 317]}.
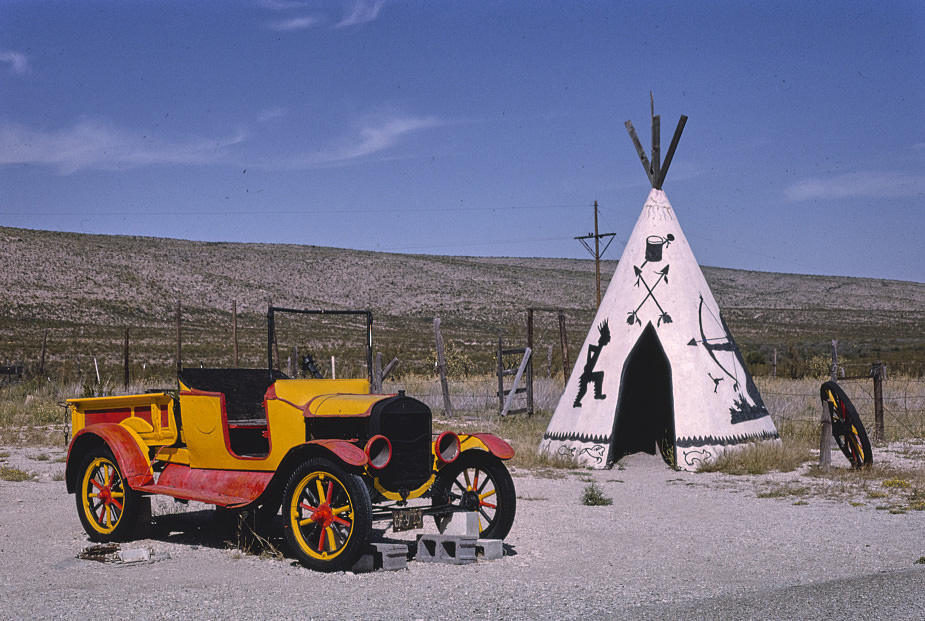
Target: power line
{"type": "Point", "coordinates": [283, 212]}
{"type": "Point", "coordinates": [597, 252]}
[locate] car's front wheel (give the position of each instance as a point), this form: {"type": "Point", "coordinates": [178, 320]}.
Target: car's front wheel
{"type": "Point", "coordinates": [477, 481]}
{"type": "Point", "coordinates": [327, 515]}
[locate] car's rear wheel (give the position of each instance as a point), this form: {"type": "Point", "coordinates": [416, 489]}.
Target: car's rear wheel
{"type": "Point", "coordinates": [107, 506]}
{"type": "Point", "coordinates": [477, 481]}
{"type": "Point", "coordinates": [327, 515]}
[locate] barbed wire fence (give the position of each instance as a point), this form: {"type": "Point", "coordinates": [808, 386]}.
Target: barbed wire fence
{"type": "Point", "coordinates": [796, 407]}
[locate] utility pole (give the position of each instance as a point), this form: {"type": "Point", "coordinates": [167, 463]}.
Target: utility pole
{"type": "Point", "coordinates": [597, 252]}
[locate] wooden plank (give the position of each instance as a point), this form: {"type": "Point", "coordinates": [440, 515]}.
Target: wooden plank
{"type": "Point", "coordinates": [674, 145]}
{"type": "Point", "coordinates": [389, 367]}
{"type": "Point", "coordinates": [656, 149]}
{"type": "Point", "coordinates": [520, 371]}
{"type": "Point", "coordinates": [640, 151]}
{"type": "Point", "coordinates": [441, 362]}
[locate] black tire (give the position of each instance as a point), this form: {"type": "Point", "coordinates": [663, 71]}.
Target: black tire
{"type": "Point", "coordinates": [847, 427]}
{"type": "Point", "coordinates": [107, 506]}
{"type": "Point", "coordinates": [327, 515]}
{"type": "Point", "coordinates": [470, 484]}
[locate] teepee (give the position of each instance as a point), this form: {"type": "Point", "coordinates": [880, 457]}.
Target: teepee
{"type": "Point", "coordinates": [659, 370]}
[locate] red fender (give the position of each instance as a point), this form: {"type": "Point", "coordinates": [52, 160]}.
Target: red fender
{"type": "Point", "coordinates": [136, 469]}
{"type": "Point", "coordinates": [495, 445]}
{"type": "Point", "coordinates": [348, 453]}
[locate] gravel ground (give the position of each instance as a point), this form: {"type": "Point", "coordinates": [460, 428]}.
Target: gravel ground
{"type": "Point", "coordinates": [700, 546]}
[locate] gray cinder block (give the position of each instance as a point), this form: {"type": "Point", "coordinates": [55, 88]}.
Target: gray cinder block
{"type": "Point", "coordinates": [391, 556]}
{"type": "Point", "coordinates": [489, 549]}
{"type": "Point", "coordinates": [450, 549]}
{"type": "Point", "coordinates": [465, 524]}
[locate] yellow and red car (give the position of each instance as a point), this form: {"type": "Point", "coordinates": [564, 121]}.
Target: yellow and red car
{"type": "Point", "coordinates": [333, 456]}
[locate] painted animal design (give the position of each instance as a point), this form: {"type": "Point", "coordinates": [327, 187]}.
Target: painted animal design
{"type": "Point", "coordinates": [595, 452]}
{"type": "Point", "coordinates": [694, 459]}
{"type": "Point", "coordinates": [589, 375]}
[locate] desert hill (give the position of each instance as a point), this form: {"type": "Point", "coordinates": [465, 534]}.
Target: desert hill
{"type": "Point", "coordinates": [85, 289]}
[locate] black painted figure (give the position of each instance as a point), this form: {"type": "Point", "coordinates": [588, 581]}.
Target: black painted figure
{"type": "Point", "coordinates": [589, 374]}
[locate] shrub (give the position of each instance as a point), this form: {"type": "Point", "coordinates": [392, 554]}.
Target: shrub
{"type": "Point", "coordinates": [593, 496]}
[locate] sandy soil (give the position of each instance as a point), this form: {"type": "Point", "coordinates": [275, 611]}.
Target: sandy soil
{"type": "Point", "coordinates": [671, 544]}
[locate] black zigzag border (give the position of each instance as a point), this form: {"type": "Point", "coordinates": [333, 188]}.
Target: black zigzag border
{"type": "Point", "coordinates": [576, 437]}
{"type": "Point", "coordinates": [697, 442]}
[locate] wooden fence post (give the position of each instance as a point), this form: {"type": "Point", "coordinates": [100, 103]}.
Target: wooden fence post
{"type": "Point", "coordinates": [500, 374]}
{"type": "Point", "coordinates": [441, 364]}
{"type": "Point", "coordinates": [530, 368]}
{"type": "Point", "coordinates": [376, 384]}
{"type": "Point", "coordinates": [877, 371]}
{"type": "Point", "coordinates": [825, 431]}
{"type": "Point", "coordinates": [179, 363]}
{"type": "Point", "coordinates": [125, 375]}
{"type": "Point", "coordinates": [563, 339]}
{"type": "Point", "coordinates": [234, 329]}
{"type": "Point", "coordinates": [42, 361]}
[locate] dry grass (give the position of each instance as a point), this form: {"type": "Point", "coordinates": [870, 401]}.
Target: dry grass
{"type": "Point", "coordinates": [30, 414]}
{"type": "Point", "coordinates": [760, 458]}
{"type": "Point", "coordinates": [15, 475]}
{"type": "Point", "coordinates": [892, 488]}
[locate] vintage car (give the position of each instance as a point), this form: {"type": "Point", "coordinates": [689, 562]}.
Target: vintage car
{"type": "Point", "coordinates": [334, 457]}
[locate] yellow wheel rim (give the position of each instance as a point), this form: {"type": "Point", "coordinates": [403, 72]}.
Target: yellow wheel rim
{"type": "Point", "coordinates": [103, 495]}
{"type": "Point", "coordinates": [322, 514]}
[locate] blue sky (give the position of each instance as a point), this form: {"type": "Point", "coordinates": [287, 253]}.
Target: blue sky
{"type": "Point", "coordinates": [472, 128]}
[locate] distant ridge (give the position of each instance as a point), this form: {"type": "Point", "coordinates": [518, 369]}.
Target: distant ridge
{"type": "Point", "coordinates": [50, 278]}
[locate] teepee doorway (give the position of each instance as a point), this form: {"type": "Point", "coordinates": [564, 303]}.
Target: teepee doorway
{"type": "Point", "coordinates": [644, 421]}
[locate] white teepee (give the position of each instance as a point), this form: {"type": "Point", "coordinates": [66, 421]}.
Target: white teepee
{"type": "Point", "coordinates": [659, 369]}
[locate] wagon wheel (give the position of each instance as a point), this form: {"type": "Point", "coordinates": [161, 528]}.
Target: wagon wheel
{"type": "Point", "coordinates": [847, 427]}
{"type": "Point", "coordinates": [107, 506]}
{"type": "Point", "coordinates": [327, 515]}
{"type": "Point", "coordinates": [477, 481]}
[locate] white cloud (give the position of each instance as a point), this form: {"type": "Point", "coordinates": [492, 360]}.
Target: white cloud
{"type": "Point", "coordinates": [93, 144]}
{"type": "Point", "coordinates": [369, 138]}
{"type": "Point", "coordinates": [97, 145]}
{"type": "Point", "coordinates": [293, 24]}
{"type": "Point", "coordinates": [19, 63]}
{"type": "Point", "coordinates": [271, 113]}
{"type": "Point", "coordinates": [871, 184]}
{"type": "Point", "coordinates": [356, 13]}
{"type": "Point", "coordinates": [375, 138]}
{"type": "Point", "coordinates": [361, 13]}
{"type": "Point", "coordinates": [282, 5]}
